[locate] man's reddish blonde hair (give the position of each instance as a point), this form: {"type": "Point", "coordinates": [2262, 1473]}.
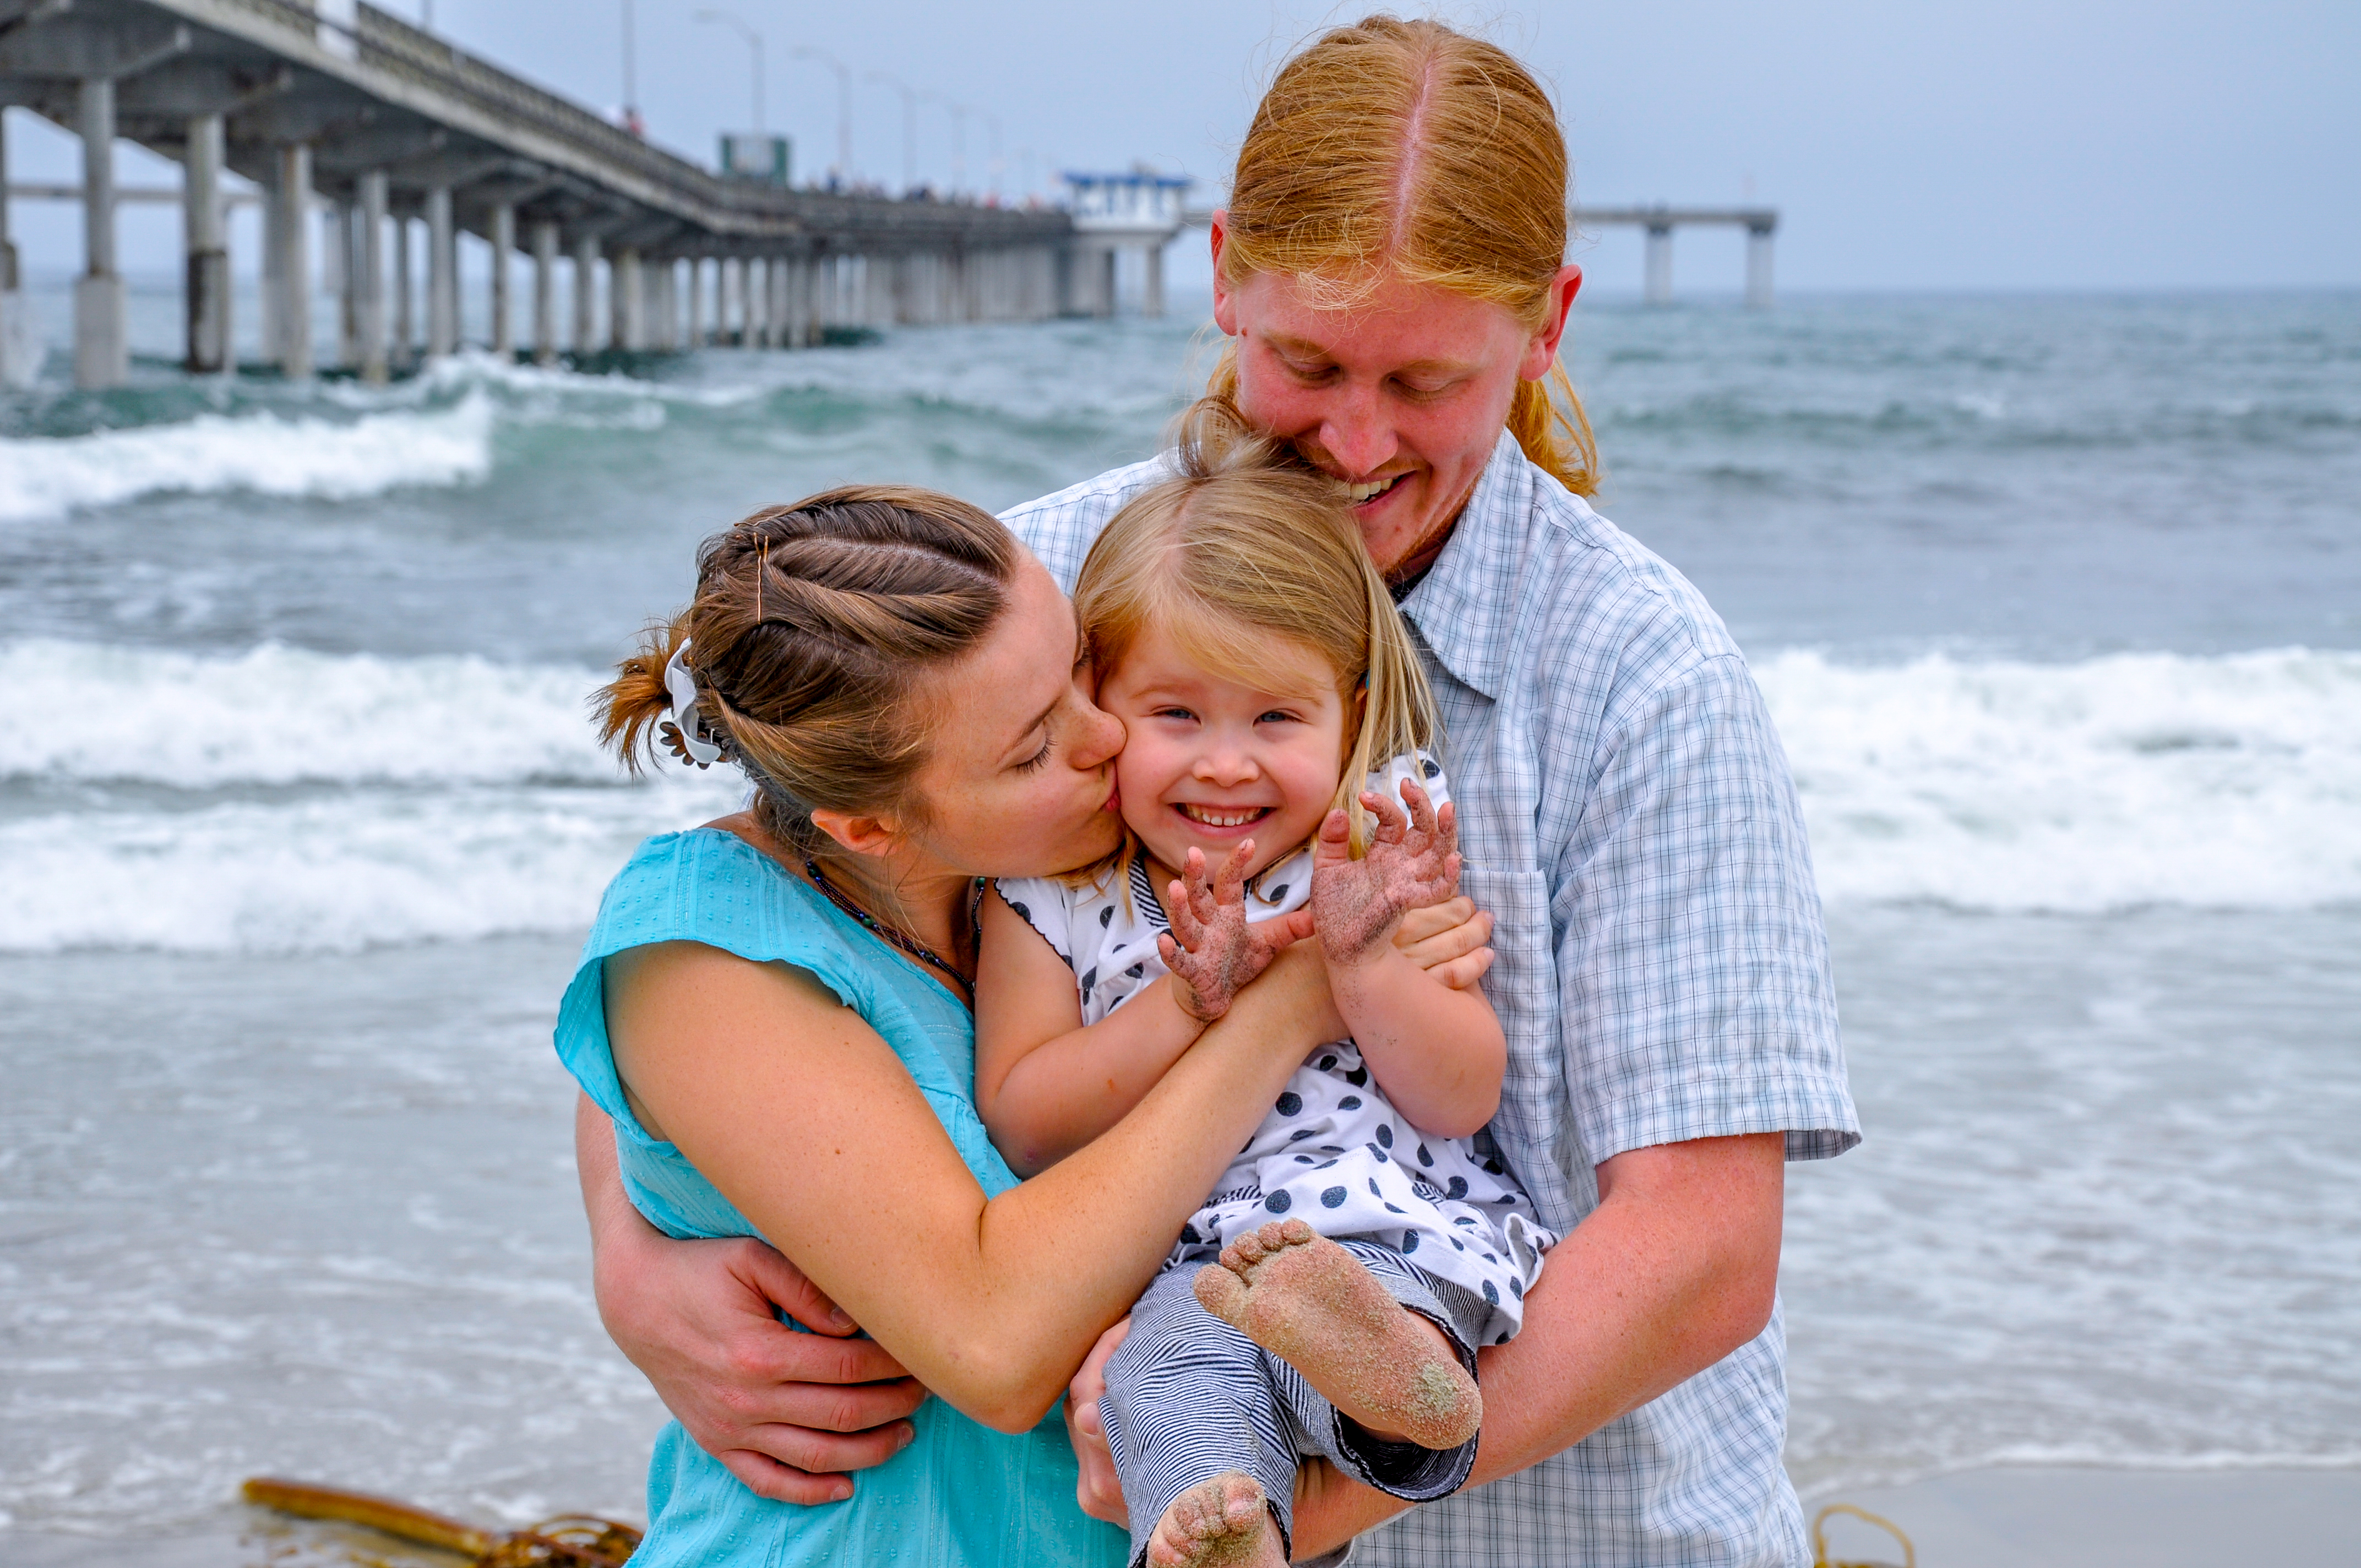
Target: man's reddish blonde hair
{"type": "Point", "coordinates": [1407, 150]}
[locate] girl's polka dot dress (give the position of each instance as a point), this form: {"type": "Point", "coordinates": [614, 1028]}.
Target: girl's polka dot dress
{"type": "Point", "coordinates": [1333, 1152]}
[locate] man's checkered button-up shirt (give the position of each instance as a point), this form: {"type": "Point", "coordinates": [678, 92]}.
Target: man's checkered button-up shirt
{"type": "Point", "coordinates": [1628, 816]}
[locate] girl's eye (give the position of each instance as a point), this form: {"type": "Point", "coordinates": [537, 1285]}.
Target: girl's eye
{"type": "Point", "coordinates": [1275, 715]}
{"type": "Point", "coordinates": [1179, 713]}
{"type": "Point", "coordinates": [1034, 762]}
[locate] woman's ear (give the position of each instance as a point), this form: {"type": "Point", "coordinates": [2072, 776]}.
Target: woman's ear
{"type": "Point", "coordinates": [858, 835]}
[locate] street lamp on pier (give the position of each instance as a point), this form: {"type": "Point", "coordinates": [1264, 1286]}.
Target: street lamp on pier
{"type": "Point", "coordinates": [755, 46]}
{"type": "Point", "coordinates": [843, 104]}
{"type": "Point", "coordinates": [910, 127]}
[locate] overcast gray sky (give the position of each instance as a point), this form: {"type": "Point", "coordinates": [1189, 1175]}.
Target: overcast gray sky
{"type": "Point", "coordinates": [2010, 144]}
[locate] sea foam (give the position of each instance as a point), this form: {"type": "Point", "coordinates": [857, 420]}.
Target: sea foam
{"type": "Point", "coordinates": [282, 799]}
{"type": "Point", "coordinates": [278, 716]}
{"type": "Point", "coordinates": [2231, 781]}
{"type": "Point", "coordinates": [261, 453]}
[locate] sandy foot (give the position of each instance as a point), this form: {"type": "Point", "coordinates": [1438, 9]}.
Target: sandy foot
{"type": "Point", "coordinates": [1220, 1523]}
{"type": "Point", "coordinates": [1311, 1303]}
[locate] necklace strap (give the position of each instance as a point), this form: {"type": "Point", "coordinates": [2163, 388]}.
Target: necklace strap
{"type": "Point", "coordinates": [886, 933]}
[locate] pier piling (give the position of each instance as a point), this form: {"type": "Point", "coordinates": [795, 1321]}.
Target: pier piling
{"type": "Point", "coordinates": [102, 350]}
{"type": "Point", "coordinates": [503, 237]}
{"type": "Point", "coordinates": [544, 293]}
{"type": "Point", "coordinates": [441, 280]}
{"type": "Point", "coordinates": [207, 299]}
{"type": "Point", "coordinates": [375, 362]}
{"type": "Point", "coordinates": [585, 294]}
{"type": "Point", "coordinates": [292, 306]}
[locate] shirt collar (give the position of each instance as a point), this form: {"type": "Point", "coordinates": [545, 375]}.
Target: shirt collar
{"type": "Point", "coordinates": [1460, 606]}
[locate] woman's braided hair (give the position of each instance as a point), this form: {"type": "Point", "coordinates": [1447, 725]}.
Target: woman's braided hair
{"type": "Point", "coordinates": [811, 627]}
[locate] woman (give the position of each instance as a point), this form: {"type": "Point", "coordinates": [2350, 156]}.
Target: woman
{"type": "Point", "coordinates": [775, 1012]}
{"type": "Point", "coordinates": [1390, 273]}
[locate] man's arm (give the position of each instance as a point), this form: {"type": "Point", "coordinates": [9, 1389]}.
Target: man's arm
{"type": "Point", "coordinates": [789, 1414]}
{"type": "Point", "coordinates": [1673, 1271]}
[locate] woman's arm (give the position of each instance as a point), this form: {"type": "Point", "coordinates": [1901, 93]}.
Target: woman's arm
{"type": "Point", "coordinates": [805, 1409]}
{"type": "Point", "coordinates": [804, 1119]}
{"type": "Point", "coordinates": [1045, 1084]}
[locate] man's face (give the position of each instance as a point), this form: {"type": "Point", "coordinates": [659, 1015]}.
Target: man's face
{"type": "Point", "coordinates": [1401, 396]}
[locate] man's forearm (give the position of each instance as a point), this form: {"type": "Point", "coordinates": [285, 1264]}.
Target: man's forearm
{"type": "Point", "coordinates": [604, 1202]}
{"type": "Point", "coordinates": [1675, 1269]}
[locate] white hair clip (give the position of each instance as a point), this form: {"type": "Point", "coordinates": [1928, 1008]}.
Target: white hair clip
{"type": "Point", "coordinates": [681, 732]}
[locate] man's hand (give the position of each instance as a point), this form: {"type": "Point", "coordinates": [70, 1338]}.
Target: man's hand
{"type": "Point", "coordinates": [1098, 1490]}
{"type": "Point", "coordinates": [790, 1414]}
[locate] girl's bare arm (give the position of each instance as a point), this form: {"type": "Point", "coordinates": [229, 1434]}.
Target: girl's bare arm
{"type": "Point", "coordinates": [1045, 1084]}
{"type": "Point", "coordinates": [803, 1118]}
{"type": "Point", "coordinates": [1437, 1050]}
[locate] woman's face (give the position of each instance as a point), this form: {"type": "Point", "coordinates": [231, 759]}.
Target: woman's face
{"type": "Point", "coordinates": [1021, 779]}
{"type": "Point", "coordinates": [1401, 397]}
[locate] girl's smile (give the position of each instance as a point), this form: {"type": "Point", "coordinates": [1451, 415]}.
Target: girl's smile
{"type": "Point", "coordinates": [1212, 759]}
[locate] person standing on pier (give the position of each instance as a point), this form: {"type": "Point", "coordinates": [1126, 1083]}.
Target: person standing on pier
{"type": "Point", "coordinates": [1391, 274]}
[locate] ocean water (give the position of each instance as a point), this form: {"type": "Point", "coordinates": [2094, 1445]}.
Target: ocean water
{"type": "Point", "coordinates": [2056, 601]}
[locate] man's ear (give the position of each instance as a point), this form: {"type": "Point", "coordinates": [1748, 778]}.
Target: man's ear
{"type": "Point", "coordinates": [1226, 308]}
{"type": "Point", "coordinates": [857, 835]}
{"type": "Point", "coordinates": [1541, 352]}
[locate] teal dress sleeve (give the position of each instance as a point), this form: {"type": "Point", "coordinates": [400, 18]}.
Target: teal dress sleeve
{"type": "Point", "coordinates": [961, 1495]}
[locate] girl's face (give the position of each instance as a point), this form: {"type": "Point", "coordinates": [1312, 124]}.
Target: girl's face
{"type": "Point", "coordinates": [1209, 761]}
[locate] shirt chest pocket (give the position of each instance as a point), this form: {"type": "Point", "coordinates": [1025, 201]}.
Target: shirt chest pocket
{"type": "Point", "coordinates": [1522, 981]}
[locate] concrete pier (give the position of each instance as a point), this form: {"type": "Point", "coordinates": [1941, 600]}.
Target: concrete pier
{"type": "Point", "coordinates": [404, 353]}
{"type": "Point", "coordinates": [1659, 269]}
{"type": "Point", "coordinates": [1760, 223]}
{"type": "Point", "coordinates": [18, 359]}
{"type": "Point", "coordinates": [343, 103]}
{"type": "Point", "coordinates": [503, 238]}
{"type": "Point", "coordinates": [207, 299]}
{"type": "Point", "coordinates": [102, 345]}
{"type": "Point", "coordinates": [376, 359]}
{"type": "Point", "coordinates": [585, 295]}
{"type": "Point", "coordinates": [292, 246]}
{"type": "Point", "coordinates": [544, 293]}
{"type": "Point", "coordinates": [442, 275]}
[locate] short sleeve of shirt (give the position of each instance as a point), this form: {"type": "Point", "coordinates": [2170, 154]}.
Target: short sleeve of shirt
{"type": "Point", "coordinates": [1692, 962]}
{"type": "Point", "coordinates": [1046, 906]}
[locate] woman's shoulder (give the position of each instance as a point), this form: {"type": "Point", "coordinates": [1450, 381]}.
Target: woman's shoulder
{"type": "Point", "coordinates": [707, 884]}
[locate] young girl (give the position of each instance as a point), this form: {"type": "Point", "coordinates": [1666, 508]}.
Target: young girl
{"type": "Point", "coordinates": [1328, 1296]}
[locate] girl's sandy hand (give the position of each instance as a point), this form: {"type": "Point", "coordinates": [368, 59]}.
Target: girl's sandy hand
{"type": "Point", "coordinates": [1412, 861]}
{"type": "Point", "coordinates": [1212, 951]}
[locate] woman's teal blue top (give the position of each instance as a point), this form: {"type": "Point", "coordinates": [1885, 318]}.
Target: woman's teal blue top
{"type": "Point", "coordinates": [961, 1495]}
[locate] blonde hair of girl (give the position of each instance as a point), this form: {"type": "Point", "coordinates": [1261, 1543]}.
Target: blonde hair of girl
{"type": "Point", "coordinates": [1404, 150]}
{"type": "Point", "coordinates": [1243, 543]}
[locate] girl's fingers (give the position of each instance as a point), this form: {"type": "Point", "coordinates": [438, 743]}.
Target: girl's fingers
{"type": "Point", "coordinates": [1391, 824]}
{"type": "Point", "coordinates": [1421, 808]}
{"type": "Point", "coordinates": [1184, 916]}
{"type": "Point", "coordinates": [1229, 886]}
{"type": "Point", "coordinates": [1447, 827]}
